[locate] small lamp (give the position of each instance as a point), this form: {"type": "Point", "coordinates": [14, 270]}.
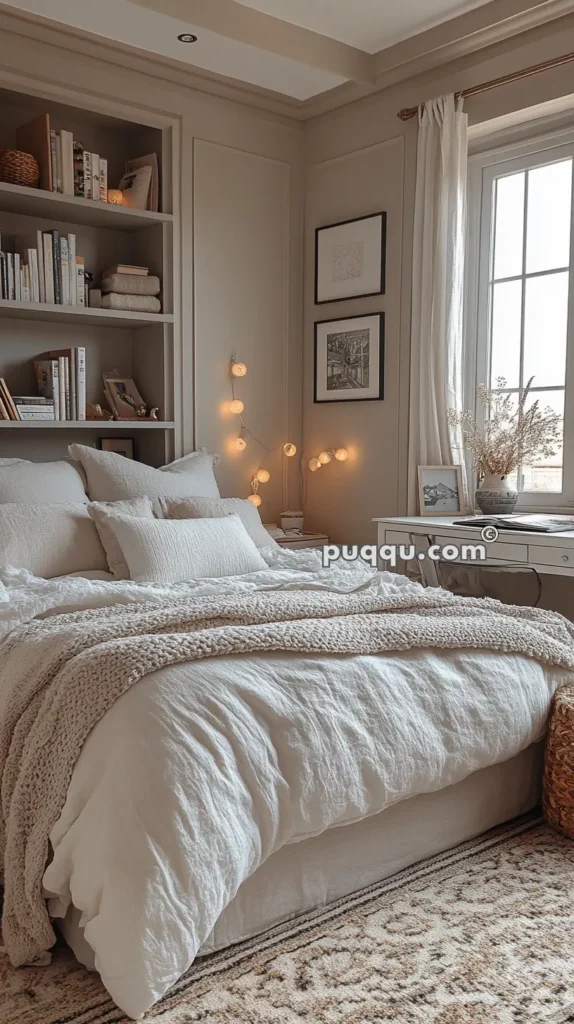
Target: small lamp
{"type": "Point", "coordinates": [263, 476]}
{"type": "Point", "coordinates": [314, 464]}
{"type": "Point", "coordinates": [341, 455]}
{"type": "Point", "coordinates": [115, 197]}
{"type": "Point", "coordinates": [240, 444]}
{"type": "Point", "coordinates": [236, 407]}
{"type": "Point", "coordinates": [289, 450]}
{"type": "Point", "coordinates": [238, 369]}
{"type": "Point", "coordinates": [254, 499]}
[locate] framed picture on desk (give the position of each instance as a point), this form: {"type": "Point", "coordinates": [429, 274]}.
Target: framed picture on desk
{"type": "Point", "coordinates": [440, 490]}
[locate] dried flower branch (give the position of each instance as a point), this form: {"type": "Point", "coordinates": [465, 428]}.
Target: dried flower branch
{"type": "Point", "coordinates": [512, 435]}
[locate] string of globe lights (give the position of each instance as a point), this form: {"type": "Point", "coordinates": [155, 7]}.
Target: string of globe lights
{"type": "Point", "coordinates": [237, 370]}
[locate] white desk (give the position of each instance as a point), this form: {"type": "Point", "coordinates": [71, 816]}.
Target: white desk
{"type": "Point", "coordinates": [546, 552]}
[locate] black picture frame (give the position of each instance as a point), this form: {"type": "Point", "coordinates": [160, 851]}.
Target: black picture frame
{"type": "Point", "coordinates": [349, 394]}
{"type": "Point", "coordinates": [112, 444]}
{"type": "Point", "coordinates": [383, 257]}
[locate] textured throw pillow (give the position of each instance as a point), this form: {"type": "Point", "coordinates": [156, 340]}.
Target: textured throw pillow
{"type": "Point", "coordinates": [40, 483]}
{"type": "Point", "coordinates": [141, 508]}
{"type": "Point", "coordinates": [217, 508]}
{"type": "Point", "coordinates": [112, 477]}
{"type": "Point", "coordinates": [50, 540]}
{"type": "Point", "coordinates": [168, 550]}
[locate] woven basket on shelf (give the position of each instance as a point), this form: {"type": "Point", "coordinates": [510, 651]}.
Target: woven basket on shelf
{"type": "Point", "coordinates": [18, 168]}
{"type": "Point", "coordinates": [558, 792]}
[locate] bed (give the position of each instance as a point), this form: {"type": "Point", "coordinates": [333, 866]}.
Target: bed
{"type": "Point", "coordinates": [186, 762]}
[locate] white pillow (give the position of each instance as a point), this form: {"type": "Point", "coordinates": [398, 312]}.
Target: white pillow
{"type": "Point", "coordinates": [98, 510]}
{"type": "Point", "coordinates": [169, 550]}
{"type": "Point", "coordinates": [112, 477]}
{"type": "Point", "coordinates": [50, 540]}
{"type": "Point", "coordinates": [40, 483]}
{"type": "Point", "coordinates": [214, 508]}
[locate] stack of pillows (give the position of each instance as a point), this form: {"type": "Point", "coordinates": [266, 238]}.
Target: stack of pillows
{"type": "Point", "coordinates": [105, 517]}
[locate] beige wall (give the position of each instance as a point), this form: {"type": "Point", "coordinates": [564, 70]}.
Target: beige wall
{"type": "Point", "coordinates": [241, 173]}
{"type": "Point", "coordinates": [362, 159]}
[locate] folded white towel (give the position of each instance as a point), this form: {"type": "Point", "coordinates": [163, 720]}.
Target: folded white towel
{"type": "Point", "coordinates": [131, 284]}
{"type": "Point", "coordinates": [131, 303]}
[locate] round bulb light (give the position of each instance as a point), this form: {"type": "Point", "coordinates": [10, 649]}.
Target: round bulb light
{"type": "Point", "coordinates": [236, 407]}
{"type": "Point", "coordinates": [341, 454]}
{"type": "Point", "coordinates": [238, 369]}
{"type": "Point", "coordinates": [254, 499]}
{"type": "Point", "coordinates": [289, 449]}
{"type": "Point", "coordinates": [115, 197]}
{"type": "Point", "coordinates": [240, 444]}
{"type": "Point", "coordinates": [263, 476]}
{"type": "Point", "coordinates": [325, 457]}
{"type": "Point", "coordinates": [314, 465]}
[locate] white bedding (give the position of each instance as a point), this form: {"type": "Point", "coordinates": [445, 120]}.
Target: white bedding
{"type": "Point", "coordinates": [200, 772]}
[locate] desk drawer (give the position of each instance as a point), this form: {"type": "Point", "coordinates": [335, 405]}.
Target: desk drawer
{"type": "Point", "coordinates": [498, 550]}
{"type": "Point", "coordinates": [551, 556]}
{"type": "Point", "coordinates": [395, 537]}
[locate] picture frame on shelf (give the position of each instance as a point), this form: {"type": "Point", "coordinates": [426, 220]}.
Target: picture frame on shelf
{"type": "Point", "coordinates": [120, 445]}
{"type": "Point", "coordinates": [350, 359]}
{"type": "Point", "coordinates": [440, 490]}
{"type": "Point", "coordinates": [124, 398]}
{"type": "Point", "coordinates": [350, 259]}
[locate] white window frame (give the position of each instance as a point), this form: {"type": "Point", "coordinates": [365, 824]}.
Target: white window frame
{"type": "Point", "coordinates": [484, 167]}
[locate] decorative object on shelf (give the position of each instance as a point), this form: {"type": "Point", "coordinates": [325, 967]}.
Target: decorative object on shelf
{"type": "Point", "coordinates": [125, 400]}
{"type": "Point", "coordinates": [119, 445]}
{"type": "Point", "coordinates": [440, 490]}
{"type": "Point", "coordinates": [18, 168]}
{"type": "Point", "coordinates": [238, 370]}
{"type": "Point", "coordinates": [135, 292]}
{"type": "Point", "coordinates": [350, 359]}
{"type": "Point", "coordinates": [115, 197]}
{"type": "Point", "coordinates": [292, 520]}
{"type": "Point", "coordinates": [149, 162]}
{"type": "Point", "coordinates": [507, 437]}
{"type": "Point", "coordinates": [95, 412]}
{"type": "Point", "coordinates": [350, 259]}
{"type": "Point", "coordinates": [135, 188]}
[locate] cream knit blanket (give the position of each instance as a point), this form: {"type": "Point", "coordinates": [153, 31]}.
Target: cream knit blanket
{"type": "Point", "coordinates": [59, 675]}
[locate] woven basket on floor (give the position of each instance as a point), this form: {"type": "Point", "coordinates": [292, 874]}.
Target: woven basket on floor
{"type": "Point", "coordinates": [18, 168]}
{"type": "Point", "coordinates": [558, 792]}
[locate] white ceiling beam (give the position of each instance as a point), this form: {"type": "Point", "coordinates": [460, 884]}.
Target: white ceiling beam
{"type": "Point", "coordinates": [231, 19]}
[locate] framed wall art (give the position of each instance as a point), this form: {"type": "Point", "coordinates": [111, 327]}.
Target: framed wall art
{"type": "Point", "coordinates": [350, 259]}
{"type": "Point", "coordinates": [350, 359]}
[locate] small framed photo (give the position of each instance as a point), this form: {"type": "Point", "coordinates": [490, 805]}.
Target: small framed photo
{"type": "Point", "coordinates": [350, 359]}
{"type": "Point", "coordinates": [350, 259]}
{"type": "Point", "coordinates": [125, 400]}
{"type": "Point", "coordinates": [440, 490]}
{"type": "Point", "coordinates": [119, 445]}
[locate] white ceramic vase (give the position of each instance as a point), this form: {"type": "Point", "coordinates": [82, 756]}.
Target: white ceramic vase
{"type": "Point", "coordinates": [494, 496]}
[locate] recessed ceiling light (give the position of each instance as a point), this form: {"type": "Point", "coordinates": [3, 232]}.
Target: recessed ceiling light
{"type": "Point", "coordinates": [187, 37]}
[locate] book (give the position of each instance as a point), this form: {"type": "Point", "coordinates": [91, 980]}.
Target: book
{"type": "Point", "coordinates": [528, 521]}
{"type": "Point", "coordinates": [87, 175]}
{"type": "Point", "coordinates": [57, 266]}
{"type": "Point", "coordinates": [81, 381]}
{"type": "Point", "coordinates": [79, 170]}
{"type": "Point", "coordinates": [45, 415]}
{"type": "Point", "coordinates": [58, 162]}
{"type": "Point", "coordinates": [7, 399]}
{"type": "Point", "coordinates": [48, 267]}
{"type": "Point", "coordinates": [53, 161]}
{"type": "Point", "coordinates": [17, 278]}
{"type": "Point", "coordinates": [65, 271]}
{"type": "Point", "coordinates": [149, 161]}
{"type": "Point", "coordinates": [32, 400]}
{"type": "Point", "coordinates": [67, 147]}
{"type": "Point", "coordinates": [103, 180]}
{"type": "Point", "coordinates": [48, 381]}
{"type": "Point", "coordinates": [34, 137]}
{"type": "Point", "coordinates": [62, 387]}
{"type": "Point", "coordinates": [73, 290]}
{"type": "Point", "coordinates": [41, 271]}
{"type": "Point", "coordinates": [125, 268]}
{"type": "Point", "coordinates": [4, 274]}
{"type": "Point", "coordinates": [72, 384]}
{"type": "Point", "coordinates": [136, 188]}
{"type": "Point", "coordinates": [34, 275]}
{"type": "Point", "coordinates": [3, 410]}
{"type": "Point", "coordinates": [10, 265]}
{"type": "Point", "coordinates": [80, 286]}
{"type": "Point", "coordinates": [95, 177]}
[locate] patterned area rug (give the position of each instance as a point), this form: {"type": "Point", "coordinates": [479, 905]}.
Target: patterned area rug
{"type": "Point", "coordinates": [483, 934]}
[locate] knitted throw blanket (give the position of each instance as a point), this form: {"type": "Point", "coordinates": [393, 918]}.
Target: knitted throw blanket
{"type": "Point", "coordinates": [59, 675]}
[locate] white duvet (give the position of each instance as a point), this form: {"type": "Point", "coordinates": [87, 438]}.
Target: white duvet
{"type": "Point", "coordinates": [200, 772]}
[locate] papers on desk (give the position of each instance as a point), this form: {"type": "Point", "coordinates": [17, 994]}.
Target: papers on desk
{"type": "Point", "coordinates": [531, 522]}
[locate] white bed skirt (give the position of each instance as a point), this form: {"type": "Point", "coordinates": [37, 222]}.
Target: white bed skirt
{"type": "Point", "coordinates": [318, 871]}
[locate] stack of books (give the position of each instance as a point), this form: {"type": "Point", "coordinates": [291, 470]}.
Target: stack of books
{"type": "Point", "coordinates": [49, 272]}
{"type": "Point", "coordinates": [65, 165]}
{"type": "Point", "coordinates": [61, 379]}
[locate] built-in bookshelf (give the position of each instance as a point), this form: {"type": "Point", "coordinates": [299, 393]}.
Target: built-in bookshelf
{"type": "Point", "coordinates": [135, 344]}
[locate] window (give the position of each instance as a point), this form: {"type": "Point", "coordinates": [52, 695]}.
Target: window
{"type": "Point", "coordinates": [522, 317]}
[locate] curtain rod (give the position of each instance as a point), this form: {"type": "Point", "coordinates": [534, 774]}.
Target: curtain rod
{"type": "Point", "coordinates": [515, 76]}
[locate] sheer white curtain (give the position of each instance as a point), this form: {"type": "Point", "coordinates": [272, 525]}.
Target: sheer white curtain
{"type": "Point", "coordinates": [438, 286]}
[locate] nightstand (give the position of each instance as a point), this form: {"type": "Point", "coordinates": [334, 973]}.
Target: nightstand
{"type": "Point", "coordinates": [304, 540]}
